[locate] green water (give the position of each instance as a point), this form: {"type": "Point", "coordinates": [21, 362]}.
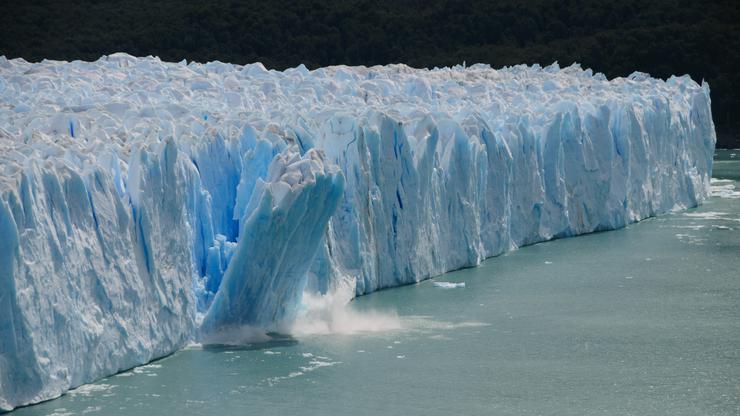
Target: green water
{"type": "Point", "coordinates": [641, 321]}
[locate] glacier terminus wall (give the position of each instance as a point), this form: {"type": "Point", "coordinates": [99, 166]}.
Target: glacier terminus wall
{"type": "Point", "coordinates": [146, 204]}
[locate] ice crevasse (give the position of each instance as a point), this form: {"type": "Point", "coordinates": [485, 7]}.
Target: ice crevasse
{"type": "Point", "coordinates": [144, 204]}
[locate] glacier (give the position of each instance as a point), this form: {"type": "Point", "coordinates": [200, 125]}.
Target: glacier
{"type": "Point", "coordinates": [146, 204]}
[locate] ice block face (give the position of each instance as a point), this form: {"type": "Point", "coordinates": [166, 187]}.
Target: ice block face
{"type": "Point", "coordinates": [283, 230]}
{"type": "Point", "coordinates": [145, 204]}
{"type": "Point", "coordinates": [491, 160]}
{"type": "Point", "coordinates": [92, 282]}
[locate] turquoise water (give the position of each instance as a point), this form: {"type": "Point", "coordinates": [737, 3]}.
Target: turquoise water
{"type": "Point", "coordinates": [640, 321]}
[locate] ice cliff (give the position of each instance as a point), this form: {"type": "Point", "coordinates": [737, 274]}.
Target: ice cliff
{"type": "Point", "coordinates": [145, 204]}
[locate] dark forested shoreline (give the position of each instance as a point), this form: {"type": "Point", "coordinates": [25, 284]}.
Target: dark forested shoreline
{"type": "Point", "coordinates": [662, 37]}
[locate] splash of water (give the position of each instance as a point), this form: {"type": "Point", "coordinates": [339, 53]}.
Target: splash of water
{"type": "Point", "coordinates": [333, 313]}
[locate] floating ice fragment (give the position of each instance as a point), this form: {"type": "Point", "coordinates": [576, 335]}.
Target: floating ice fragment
{"type": "Point", "coordinates": [707, 215]}
{"type": "Point", "coordinates": [449, 285]}
{"type": "Point", "coordinates": [61, 412]}
{"type": "Point", "coordinates": [724, 189]}
{"type": "Point", "coordinates": [88, 389]}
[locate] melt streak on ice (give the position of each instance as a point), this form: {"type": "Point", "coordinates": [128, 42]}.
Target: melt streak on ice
{"type": "Point", "coordinates": [144, 204]}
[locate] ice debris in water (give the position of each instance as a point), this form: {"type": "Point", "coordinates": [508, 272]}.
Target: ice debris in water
{"type": "Point", "coordinates": [146, 204]}
{"type": "Point", "coordinates": [448, 285]}
{"type": "Point", "coordinates": [724, 188]}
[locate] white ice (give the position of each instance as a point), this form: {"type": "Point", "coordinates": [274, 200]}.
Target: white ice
{"type": "Point", "coordinates": [146, 204]}
{"type": "Point", "coordinates": [449, 285]}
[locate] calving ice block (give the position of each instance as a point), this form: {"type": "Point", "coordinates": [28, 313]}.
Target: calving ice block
{"type": "Point", "coordinates": [145, 204]}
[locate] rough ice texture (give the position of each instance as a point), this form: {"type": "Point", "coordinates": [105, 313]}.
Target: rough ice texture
{"type": "Point", "coordinates": [145, 204]}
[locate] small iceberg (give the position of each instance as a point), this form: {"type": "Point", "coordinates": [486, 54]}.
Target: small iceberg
{"type": "Point", "coordinates": [449, 285]}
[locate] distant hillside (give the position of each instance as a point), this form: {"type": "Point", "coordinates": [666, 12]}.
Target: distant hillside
{"type": "Point", "coordinates": [661, 37]}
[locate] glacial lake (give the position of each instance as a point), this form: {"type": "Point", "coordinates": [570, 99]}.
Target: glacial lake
{"type": "Point", "coordinates": [640, 321]}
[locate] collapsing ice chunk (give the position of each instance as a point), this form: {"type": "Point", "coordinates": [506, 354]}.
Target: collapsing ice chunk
{"type": "Point", "coordinates": [285, 224]}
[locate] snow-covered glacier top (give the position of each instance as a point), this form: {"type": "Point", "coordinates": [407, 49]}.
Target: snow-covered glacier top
{"type": "Point", "coordinates": [144, 204]}
{"type": "Point", "coordinates": [121, 100]}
